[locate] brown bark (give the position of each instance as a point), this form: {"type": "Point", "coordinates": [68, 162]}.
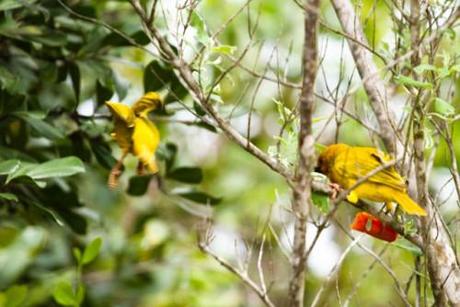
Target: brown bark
{"type": "Point", "coordinates": [373, 84]}
{"type": "Point", "coordinates": [306, 149]}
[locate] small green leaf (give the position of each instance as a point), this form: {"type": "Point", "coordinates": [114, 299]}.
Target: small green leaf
{"type": "Point", "coordinates": [410, 248]}
{"type": "Point", "coordinates": [199, 24]}
{"type": "Point", "coordinates": [21, 171]}
{"type": "Point", "coordinates": [156, 76]}
{"type": "Point", "coordinates": [168, 154]}
{"type": "Point", "coordinates": [206, 126]}
{"type": "Point", "coordinates": [103, 93]}
{"type": "Point", "coordinates": [321, 201]}
{"type": "Point", "coordinates": [91, 251]}
{"type": "Point", "coordinates": [15, 296]}
{"type": "Point", "coordinates": [403, 80]}
{"type": "Point", "coordinates": [74, 72]}
{"type": "Point", "coordinates": [9, 166]}
{"type": "Point", "coordinates": [8, 196]}
{"type": "Point", "coordinates": [186, 174]}
{"type": "Point", "coordinates": [57, 168]}
{"type": "Point", "coordinates": [102, 153]}
{"type": "Point", "coordinates": [424, 67]}
{"type": "Point", "coordinates": [35, 121]}
{"type": "Point", "coordinates": [443, 107]}
{"type": "Point", "coordinates": [77, 254]}
{"type": "Point", "coordinates": [13, 4]}
{"type": "Point", "coordinates": [224, 49]}
{"type": "Point", "coordinates": [198, 109]}
{"type": "Point", "coordinates": [63, 294]}
{"type": "Point", "coordinates": [114, 39]}
{"type": "Point", "coordinates": [200, 197]}
{"type": "Point", "coordinates": [80, 293]}
{"type": "Point", "coordinates": [138, 185]}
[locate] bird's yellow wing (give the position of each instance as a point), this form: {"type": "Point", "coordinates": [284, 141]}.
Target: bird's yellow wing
{"type": "Point", "coordinates": [147, 103]}
{"type": "Point", "coordinates": [121, 112]}
{"type": "Point", "coordinates": [145, 140]}
{"type": "Point", "coordinates": [357, 162]}
{"type": "Point", "coordinates": [123, 124]}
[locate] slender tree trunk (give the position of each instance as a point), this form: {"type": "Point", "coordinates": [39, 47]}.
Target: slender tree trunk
{"type": "Point", "coordinates": [441, 259]}
{"type": "Point", "coordinates": [302, 188]}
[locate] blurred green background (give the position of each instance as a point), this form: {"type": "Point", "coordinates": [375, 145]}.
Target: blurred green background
{"type": "Point", "coordinates": [56, 71]}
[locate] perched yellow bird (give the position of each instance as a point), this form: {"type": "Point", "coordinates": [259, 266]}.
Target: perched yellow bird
{"type": "Point", "coordinates": [344, 165]}
{"type": "Point", "coordinates": [135, 133]}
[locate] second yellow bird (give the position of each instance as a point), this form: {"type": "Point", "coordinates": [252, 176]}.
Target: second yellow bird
{"type": "Point", "coordinates": [135, 133]}
{"type": "Point", "coordinates": [344, 165]}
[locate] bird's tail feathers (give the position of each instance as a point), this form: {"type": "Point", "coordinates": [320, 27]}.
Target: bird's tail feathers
{"type": "Point", "coordinates": [408, 205]}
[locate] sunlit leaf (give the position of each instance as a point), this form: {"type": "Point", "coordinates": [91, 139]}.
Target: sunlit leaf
{"type": "Point", "coordinates": [443, 107]}
{"type": "Point", "coordinates": [15, 296]}
{"type": "Point", "coordinates": [403, 80]}
{"type": "Point", "coordinates": [8, 196]}
{"type": "Point", "coordinates": [91, 251]}
{"type": "Point", "coordinates": [321, 201]}
{"type": "Point", "coordinates": [63, 294]}
{"type": "Point", "coordinates": [9, 166]}
{"type": "Point", "coordinates": [57, 168]}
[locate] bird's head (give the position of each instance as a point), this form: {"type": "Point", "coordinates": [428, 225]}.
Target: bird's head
{"type": "Point", "coordinates": [327, 157]}
{"type": "Point", "coordinates": [147, 103]}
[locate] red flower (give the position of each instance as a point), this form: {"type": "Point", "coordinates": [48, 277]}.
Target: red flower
{"type": "Point", "coordinates": [367, 223]}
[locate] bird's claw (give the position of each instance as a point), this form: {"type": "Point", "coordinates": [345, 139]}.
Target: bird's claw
{"type": "Point", "coordinates": [335, 189]}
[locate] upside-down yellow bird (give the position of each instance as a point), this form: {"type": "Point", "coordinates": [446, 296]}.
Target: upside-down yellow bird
{"type": "Point", "coordinates": [135, 133]}
{"type": "Point", "coordinates": [344, 165]}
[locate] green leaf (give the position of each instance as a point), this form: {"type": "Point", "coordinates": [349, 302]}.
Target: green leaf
{"type": "Point", "coordinates": [102, 153]}
{"type": "Point", "coordinates": [91, 251]}
{"type": "Point", "coordinates": [443, 107]}
{"type": "Point", "coordinates": [9, 166]}
{"type": "Point", "coordinates": [186, 174]}
{"type": "Point", "coordinates": [80, 293]}
{"type": "Point", "coordinates": [74, 72]}
{"type": "Point", "coordinates": [199, 24]}
{"type": "Point", "coordinates": [156, 76]}
{"type": "Point", "coordinates": [8, 196]}
{"type": "Point", "coordinates": [15, 296]}
{"type": "Point", "coordinates": [200, 197]}
{"type": "Point", "coordinates": [36, 122]}
{"type": "Point", "coordinates": [403, 80]}
{"type": "Point", "coordinates": [424, 67]}
{"type": "Point", "coordinates": [8, 81]}
{"type": "Point", "coordinates": [14, 4]}
{"type": "Point", "coordinates": [224, 49]}
{"type": "Point", "coordinates": [117, 40]}
{"type": "Point", "coordinates": [77, 254]}
{"type": "Point", "coordinates": [20, 171]}
{"type": "Point", "coordinates": [57, 168]}
{"type": "Point", "coordinates": [103, 93]}
{"type": "Point", "coordinates": [63, 294]}
{"type": "Point", "coordinates": [198, 109]}
{"type": "Point", "coordinates": [168, 154]}
{"type": "Point", "coordinates": [206, 126]}
{"type": "Point", "coordinates": [410, 248]}
{"type": "Point", "coordinates": [321, 201]}
{"type": "Point", "coordinates": [138, 185]}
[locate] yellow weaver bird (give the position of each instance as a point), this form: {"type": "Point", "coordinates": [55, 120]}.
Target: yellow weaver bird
{"type": "Point", "coordinates": [135, 133]}
{"type": "Point", "coordinates": [344, 165]}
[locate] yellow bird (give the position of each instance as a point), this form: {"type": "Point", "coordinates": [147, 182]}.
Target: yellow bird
{"type": "Point", "coordinates": [135, 133]}
{"type": "Point", "coordinates": [344, 165]}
